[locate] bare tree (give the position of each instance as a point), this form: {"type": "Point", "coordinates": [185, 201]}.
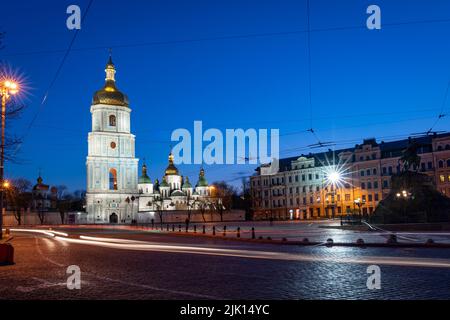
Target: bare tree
{"type": "Point", "coordinates": [203, 206]}
{"type": "Point", "coordinates": [13, 111]}
{"type": "Point", "coordinates": [61, 191]}
{"type": "Point", "coordinates": [64, 203]}
{"type": "Point", "coordinates": [159, 204]}
{"type": "Point", "coordinates": [224, 195]}
{"type": "Point", "coordinates": [19, 197]}
{"type": "Point", "coordinates": [41, 212]}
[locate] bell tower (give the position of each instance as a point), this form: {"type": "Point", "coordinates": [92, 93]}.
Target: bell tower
{"type": "Point", "coordinates": [112, 168]}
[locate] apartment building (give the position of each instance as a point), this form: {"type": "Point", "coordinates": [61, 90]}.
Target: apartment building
{"type": "Point", "coordinates": [296, 188]}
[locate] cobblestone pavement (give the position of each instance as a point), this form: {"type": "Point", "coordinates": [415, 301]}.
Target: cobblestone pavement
{"type": "Point", "coordinates": [316, 231]}
{"type": "Point", "coordinates": [320, 272]}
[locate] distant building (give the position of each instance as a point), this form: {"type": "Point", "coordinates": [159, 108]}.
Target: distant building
{"type": "Point", "coordinates": [43, 197]}
{"type": "Point", "coordinates": [296, 188]}
{"type": "Point", "coordinates": [173, 193]}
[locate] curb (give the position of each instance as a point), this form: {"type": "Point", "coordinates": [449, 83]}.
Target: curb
{"type": "Point", "coordinates": [428, 245]}
{"type": "Point", "coordinates": [303, 243]}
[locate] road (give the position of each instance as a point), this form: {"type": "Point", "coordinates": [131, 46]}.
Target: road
{"type": "Point", "coordinates": [320, 231]}
{"type": "Point", "coordinates": [121, 264]}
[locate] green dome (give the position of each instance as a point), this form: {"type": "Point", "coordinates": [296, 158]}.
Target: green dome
{"type": "Point", "coordinates": [144, 178]}
{"type": "Point", "coordinates": [201, 179]}
{"type": "Point", "coordinates": [186, 183]}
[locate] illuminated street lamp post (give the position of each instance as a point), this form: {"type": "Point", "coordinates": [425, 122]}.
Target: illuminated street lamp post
{"type": "Point", "coordinates": [359, 203]}
{"type": "Point", "coordinates": [7, 89]}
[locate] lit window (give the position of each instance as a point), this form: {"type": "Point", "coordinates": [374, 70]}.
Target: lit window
{"type": "Point", "coordinates": [442, 178]}
{"type": "Point", "coordinates": [112, 179]}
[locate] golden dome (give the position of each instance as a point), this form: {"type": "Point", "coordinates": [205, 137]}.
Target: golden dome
{"type": "Point", "coordinates": [109, 94]}
{"type": "Point", "coordinates": [171, 169]}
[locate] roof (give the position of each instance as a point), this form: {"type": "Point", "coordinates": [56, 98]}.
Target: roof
{"type": "Point", "coordinates": [109, 94]}
{"type": "Point", "coordinates": [177, 193]}
{"type": "Point", "coordinates": [388, 150]}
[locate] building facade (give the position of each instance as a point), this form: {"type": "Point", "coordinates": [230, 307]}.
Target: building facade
{"type": "Point", "coordinates": [297, 188]}
{"type": "Point", "coordinates": [43, 197]}
{"type": "Point", "coordinates": [175, 192]}
{"type": "Point", "coordinates": [112, 167]}
{"type": "Point", "coordinates": [114, 192]}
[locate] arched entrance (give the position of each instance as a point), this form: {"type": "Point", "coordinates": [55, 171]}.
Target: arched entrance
{"type": "Point", "coordinates": [113, 218]}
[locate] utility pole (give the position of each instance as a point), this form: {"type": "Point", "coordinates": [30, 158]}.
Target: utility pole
{"type": "Point", "coordinates": [7, 88]}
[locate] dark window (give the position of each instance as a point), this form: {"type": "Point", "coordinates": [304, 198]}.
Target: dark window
{"type": "Point", "coordinates": [363, 185]}
{"type": "Point", "coordinates": [441, 164]}
{"type": "Point", "coordinates": [112, 120]}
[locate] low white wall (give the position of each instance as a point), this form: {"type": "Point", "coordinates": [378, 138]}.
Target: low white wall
{"type": "Point", "coordinates": [196, 217]}
{"type": "Point", "coordinates": [31, 218]}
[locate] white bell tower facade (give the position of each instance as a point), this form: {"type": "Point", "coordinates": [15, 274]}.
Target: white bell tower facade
{"type": "Point", "coordinates": [112, 169]}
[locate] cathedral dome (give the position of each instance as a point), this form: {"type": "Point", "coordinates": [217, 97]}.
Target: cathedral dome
{"type": "Point", "coordinates": [201, 179]}
{"type": "Point", "coordinates": [144, 178]}
{"type": "Point", "coordinates": [171, 170]}
{"type": "Point", "coordinates": [109, 94]}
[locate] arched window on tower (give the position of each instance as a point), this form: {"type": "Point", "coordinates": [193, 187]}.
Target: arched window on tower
{"type": "Point", "coordinates": [112, 120]}
{"type": "Point", "coordinates": [112, 179]}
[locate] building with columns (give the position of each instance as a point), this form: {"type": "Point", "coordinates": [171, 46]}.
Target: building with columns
{"type": "Point", "coordinates": [296, 188]}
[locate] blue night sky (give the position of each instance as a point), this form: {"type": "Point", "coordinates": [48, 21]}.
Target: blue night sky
{"type": "Point", "coordinates": [384, 83]}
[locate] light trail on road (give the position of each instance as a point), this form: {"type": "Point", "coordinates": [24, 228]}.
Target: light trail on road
{"type": "Point", "coordinates": [135, 245]}
{"type": "Point", "coordinates": [253, 254]}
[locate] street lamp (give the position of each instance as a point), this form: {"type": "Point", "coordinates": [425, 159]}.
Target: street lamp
{"type": "Point", "coordinates": [359, 202]}
{"type": "Point", "coordinates": [7, 89]}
